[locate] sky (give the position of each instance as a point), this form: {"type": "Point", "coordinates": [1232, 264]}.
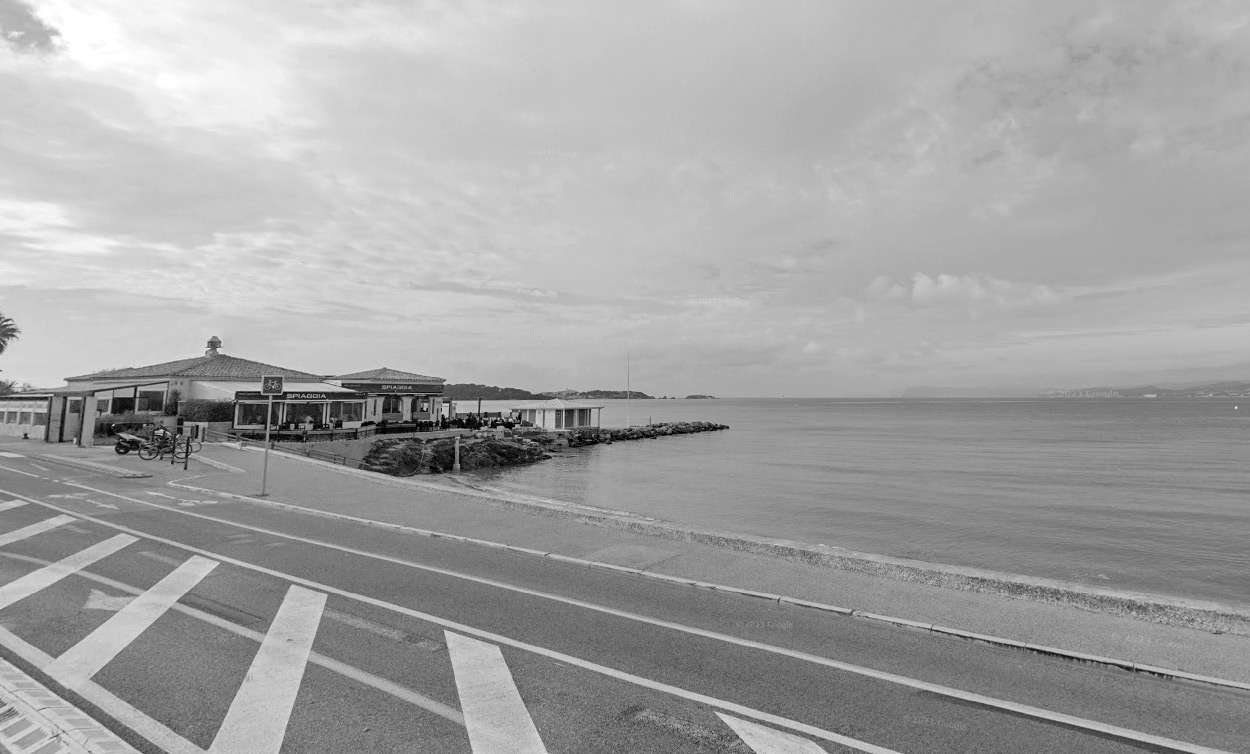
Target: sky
{"type": "Point", "coordinates": [738, 198]}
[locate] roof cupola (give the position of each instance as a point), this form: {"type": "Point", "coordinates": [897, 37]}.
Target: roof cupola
{"type": "Point", "coordinates": [213, 344]}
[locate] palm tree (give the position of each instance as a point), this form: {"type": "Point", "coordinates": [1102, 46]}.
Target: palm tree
{"type": "Point", "coordinates": [8, 332]}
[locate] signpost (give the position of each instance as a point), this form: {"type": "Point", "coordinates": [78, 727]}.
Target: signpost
{"type": "Point", "coordinates": [270, 385]}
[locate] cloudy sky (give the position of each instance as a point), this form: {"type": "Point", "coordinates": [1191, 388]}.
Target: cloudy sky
{"type": "Point", "coordinates": [801, 198]}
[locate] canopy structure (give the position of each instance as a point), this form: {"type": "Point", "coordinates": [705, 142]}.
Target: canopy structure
{"type": "Point", "coordinates": [559, 414]}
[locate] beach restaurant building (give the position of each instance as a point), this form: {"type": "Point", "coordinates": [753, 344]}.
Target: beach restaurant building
{"type": "Point", "coordinates": [308, 402]}
{"type": "Point", "coordinates": [395, 396]}
{"type": "Point", "coordinates": [559, 414]}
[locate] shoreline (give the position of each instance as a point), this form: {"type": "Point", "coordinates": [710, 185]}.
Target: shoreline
{"type": "Point", "coordinates": [1204, 615]}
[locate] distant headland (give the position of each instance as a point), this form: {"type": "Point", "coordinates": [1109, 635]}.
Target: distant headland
{"type": "Point", "coordinates": [471, 391]}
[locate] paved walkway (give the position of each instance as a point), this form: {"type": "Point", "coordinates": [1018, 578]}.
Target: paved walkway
{"type": "Point", "coordinates": [434, 503]}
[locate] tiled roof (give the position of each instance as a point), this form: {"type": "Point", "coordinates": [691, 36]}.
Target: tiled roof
{"type": "Point", "coordinates": [387, 375]}
{"type": "Point", "coordinates": [219, 367]}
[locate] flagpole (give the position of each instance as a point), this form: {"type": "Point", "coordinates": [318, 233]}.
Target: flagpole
{"type": "Point", "coordinates": [627, 424]}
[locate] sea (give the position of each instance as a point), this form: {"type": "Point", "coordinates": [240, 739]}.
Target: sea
{"type": "Point", "coordinates": [1132, 494]}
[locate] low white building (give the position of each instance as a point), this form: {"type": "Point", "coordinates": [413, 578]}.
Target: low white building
{"type": "Point", "coordinates": [559, 414]}
{"type": "Point", "coordinates": [25, 414]}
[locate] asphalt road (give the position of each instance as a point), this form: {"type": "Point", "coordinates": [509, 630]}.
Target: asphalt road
{"type": "Point", "coordinates": [205, 624]}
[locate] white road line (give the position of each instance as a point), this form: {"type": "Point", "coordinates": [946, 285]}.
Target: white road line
{"type": "Point", "coordinates": [49, 575]}
{"type": "Point", "coordinates": [257, 718]}
{"type": "Point", "coordinates": [29, 531]}
{"type": "Point", "coordinates": [86, 658]}
{"type": "Point", "coordinates": [494, 714]}
{"type": "Point", "coordinates": [5, 454]}
{"type": "Point", "coordinates": [11, 505]}
{"type": "Point", "coordinates": [947, 691]}
{"type": "Point", "coordinates": [768, 741]}
{"type": "Point", "coordinates": [37, 466]}
{"type": "Point", "coordinates": [154, 731]}
{"type": "Point", "coordinates": [19, 471]}
{"type": "Point", "coordinates": [342, 668]}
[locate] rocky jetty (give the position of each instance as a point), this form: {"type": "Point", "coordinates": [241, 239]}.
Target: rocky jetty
{"type": "Point", "coordinates": [579, 437]}
{"type": "Point", "coordinates": [488, 448]}
{"type": "Point", "coordinates": [411, 456]}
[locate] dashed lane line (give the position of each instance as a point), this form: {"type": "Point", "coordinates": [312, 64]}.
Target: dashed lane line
{"type": "Point", "coordinates": [19, 471]}
{"type": "Point", "coordinates": [10, 505]}
{"type": "Point", "coordinates": [27, 585]}
{"type": "Point", "coordinates": [768, 741]}
{"type": "Point", "coordinates": [257, 718]}
{"type": "Point", "coordinates": [494, 714]}
{"type": "Point", "coordinates": [89, 656]}
{"type": "Point", "coordinates": [37, 528]}
{"type": "Point", "coordinates": [1024, 710]}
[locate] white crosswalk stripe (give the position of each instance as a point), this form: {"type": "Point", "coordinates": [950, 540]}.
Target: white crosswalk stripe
{"type": "Point", "coordinates": [10, 505]}
{"type": "Point", "coordinates": [767, 740]}
{"type": "Point", "coordinates": [89, 656]}
{"type": "Point", "coordinates": [50, 574]}
{"type": "Point", "coordinates": [257, 718]}
{"type": "Point", "coordinates": [494, 714]}
{"type": "Point", "coordinates": [29, 531]}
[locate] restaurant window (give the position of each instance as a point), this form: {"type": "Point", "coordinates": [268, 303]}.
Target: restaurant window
{"type": "Point", "coordinates": [583, 416]}
{"type": "Point", "coordinates": [102, 406]}
{"type": "Point", "coordinates": [347, 411]}
{"type": "Point", "coordinates": [392, 404]}
{"type": "Point", "coordinates": [303, 413]}
{"type": "Point", "coordinates": [253, 414]}
{"type": "Point", "coordinates": [420, 405]}
{"type": "Point", "coordinates": [75, 406]}
{"type": "Point", "coordinates": [559, 420]}
{"type": "Point", "coordinates": [151, 400]}
{"type": "Point", "coordinates": [40, 419]}
{"type": "Point", "coordinates": [120, 405]}
{"type": "Point", "coordinates": [8, 417]}
{"type": "Point", "coordinates": [23, 417]}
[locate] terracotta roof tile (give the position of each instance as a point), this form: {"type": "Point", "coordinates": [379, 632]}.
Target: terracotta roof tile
{"type": "Point", "coordinates": [211, 367]}
{"type": "Point", "coordinates": [387, 375]}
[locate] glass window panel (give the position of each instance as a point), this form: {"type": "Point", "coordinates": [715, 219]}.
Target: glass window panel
{"type": "Point", "coordinates": [23, 417]}
{"type": "Point", "coordinates": [41, 419]}
{"type": "Point", "coordinates": [347, 411]}
{"type": "Point", "coordinates": [303, 413]}
{"type": "Point", "coordinates": [253, 414]}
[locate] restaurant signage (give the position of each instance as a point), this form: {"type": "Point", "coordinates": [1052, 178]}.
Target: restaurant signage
{"type": "Point", "coordinates": [246, 395]}
{"type": "Point", "coordinates": [425, 388]}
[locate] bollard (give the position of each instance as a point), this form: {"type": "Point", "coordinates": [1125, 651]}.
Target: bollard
{"type": "Point", "coordinates": [455, 465]}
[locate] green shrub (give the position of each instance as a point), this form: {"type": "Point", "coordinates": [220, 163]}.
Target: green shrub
{"type": "Point", "coordinates": [200, 410]}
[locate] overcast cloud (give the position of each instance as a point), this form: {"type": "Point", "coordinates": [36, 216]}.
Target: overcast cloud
{"type": "Point", "coordinates": [801, 198]}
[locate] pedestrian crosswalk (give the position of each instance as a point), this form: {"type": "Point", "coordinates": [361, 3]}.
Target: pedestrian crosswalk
{"type": "Point", "coordinates": [495, 716]}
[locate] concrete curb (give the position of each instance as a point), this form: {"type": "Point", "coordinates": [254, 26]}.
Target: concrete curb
{"type": "Point", "coordinates": [50, 720]}
{"type": "Point", "coordinates": [79, 463]}
{"type": "Point", "coordinates": [1154, 608]}
{"type": "Point", "coordinates": [781, 599]}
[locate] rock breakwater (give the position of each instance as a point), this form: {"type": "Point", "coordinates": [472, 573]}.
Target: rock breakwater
{"type": "Point", "coordinates": [489, 448]}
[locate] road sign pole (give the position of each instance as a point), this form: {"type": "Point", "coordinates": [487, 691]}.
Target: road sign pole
{"type": "Point", "coordinates": [264, 473]}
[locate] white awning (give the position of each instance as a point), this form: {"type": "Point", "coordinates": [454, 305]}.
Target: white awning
{"type": "Point", "coordinates": [226, 390]}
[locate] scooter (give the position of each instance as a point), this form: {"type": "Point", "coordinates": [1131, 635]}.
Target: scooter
{"type": "Point", "coordinates": [127, 442]}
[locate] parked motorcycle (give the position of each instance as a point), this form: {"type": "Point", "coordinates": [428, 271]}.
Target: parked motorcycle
{"type": "Point", "coordinates": [127, 442]}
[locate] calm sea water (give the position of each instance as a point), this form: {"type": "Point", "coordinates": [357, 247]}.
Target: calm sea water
{"type": "Point", "coordinates": [1129, 494]}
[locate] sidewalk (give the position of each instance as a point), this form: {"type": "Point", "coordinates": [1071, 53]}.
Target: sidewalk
{"type": "Point", "coordinates": [436, 503]}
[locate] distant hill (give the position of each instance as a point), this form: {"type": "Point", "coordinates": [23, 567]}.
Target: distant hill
{"type": "Point", "coordinates": [709, 397]}
{"type": "Point", "coordinates": [471, 392]}
{"type": "Point", "coordinates": [599, 394]}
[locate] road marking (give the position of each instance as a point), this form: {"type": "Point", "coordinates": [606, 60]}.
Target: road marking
{"type": "Point", "coordinates": [86, 658]}
{"type": "Point", "coordinates": [102, 505]}
{"type": "Point", "coordinates": [1025, 710]}
{"type": "Point", "coordinates": [50, 574]}
{"type": "Point", "coordinates": [768, 741]}
{"type": "Point", "coordinates": [10, 505]}
{"type": "Point", "coordinates": [37, 466]}
{"type": "Point", "coordinates": [152, 730]}
{"type": "Point", "coordinates": [19, 471]}
{"type": "Point", "coordinates": [6, 454]}
{"type": "Point", "coordinates": [257, 718]}
{"type": "Point", "coordinates": [494, 714]}
{"type": "Point", "coordinates": [348, 671]}
{"type": "Point", "coordinates": [98, 600]}
{"type": "Point", "coordinates": [29, 531]}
